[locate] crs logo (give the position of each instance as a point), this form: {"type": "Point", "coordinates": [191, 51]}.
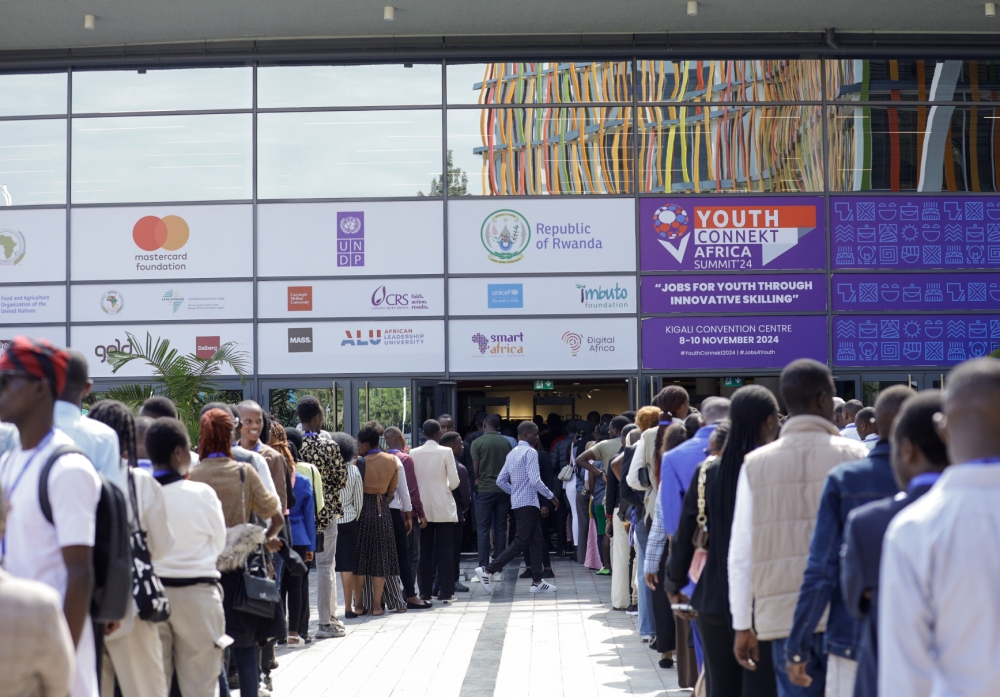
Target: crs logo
{"type": "Point", "coordinates": [574, 341]}
{"type": "Point", "coordinates": [381, 298]}
{"type": "Point", "coordinates": [171, 232]}
{"type": "Point", "coordinates": [355, 338]}
{"type": "Point", "coordinates": [103, 351]}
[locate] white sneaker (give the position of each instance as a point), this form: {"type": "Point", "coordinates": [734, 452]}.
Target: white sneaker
{"type": "Point", "coordinates": [543, 587]}
{"type": "Point", "coordinates": [484, 578]}
{"type": "Point", "coordinates": [498, 576]}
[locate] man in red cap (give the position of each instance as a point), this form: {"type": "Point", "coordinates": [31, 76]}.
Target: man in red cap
{"type": "Point", "coordinates": [59, 553]}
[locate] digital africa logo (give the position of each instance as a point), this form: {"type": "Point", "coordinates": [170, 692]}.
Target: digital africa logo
{"type": "Point", "coordinates": [11, 247]}
{"type": "Point", "coordinates": [574, 341]}
{"type": "Point", "coordinates": [505, 234]}
{"type": "Point", "coordinates": [672, 223]}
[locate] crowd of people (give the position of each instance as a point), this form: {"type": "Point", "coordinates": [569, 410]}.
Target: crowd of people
{"type": "Point", "coordinates": [749, 536]}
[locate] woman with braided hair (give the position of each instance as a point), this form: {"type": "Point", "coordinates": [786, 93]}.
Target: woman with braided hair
{"type": "Point", "coordinates": [132, 650]}
{"type": "Point", "coordinates": [753, 415]}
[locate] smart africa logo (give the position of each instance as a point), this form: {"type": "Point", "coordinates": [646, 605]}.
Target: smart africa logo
{"type": "Point", "coordinates": [574, 341]}
{"type": "Point", "coordinates": [481, 341]}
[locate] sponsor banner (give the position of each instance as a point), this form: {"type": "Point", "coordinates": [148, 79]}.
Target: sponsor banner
{"type": "Point", "coordinates": [383, 297]}
{"type": "Point", "coordinates": [56, 335]}
{"type": "Point", "coordinates": [142, 302]}
{"type": "Point", "coordinates": [913, 340]}
{"type": "Point", "coordinates": [550, 345]}
{"type": "Point", "coordinates": [531, 295]}
{"type": "Point", "coordinates": [539, 236]}
{"type": "Point", "coordinates": [32, 245]}
{"type": "Point", "coordinates": [96, 341]}
{"type": "Point", "coordinates": [361, 346]}
{"type": "Point", "coordinates": [732, 233]}
{"type": "Point", "coordinates": [353, 238]}
{"type": "Point", "coordinates": [709, 343]}
{"type": "Point", "coordinates": [922, 232]}
{"type": "Point", "coordinates": [31, 304]}
{"type": "Point", "coordinates": [169, 242]}
{"type": "Point", "coordinates": [749, 293]}
{"type": "Point", "coordinates": [915, 292]}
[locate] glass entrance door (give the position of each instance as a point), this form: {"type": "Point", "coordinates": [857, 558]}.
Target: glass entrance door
{"type": "Point", "coordinates": [282, 398]}
{"type": "Point", "coordinates": [390, 402]}
{"type": "Point", "coordinates": [872, 384]}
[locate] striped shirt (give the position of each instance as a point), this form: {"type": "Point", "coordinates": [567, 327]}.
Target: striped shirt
{"type": "Point", "coordinates": [520, 477]}
{"type": "Point", "coordinates": [352, 495]}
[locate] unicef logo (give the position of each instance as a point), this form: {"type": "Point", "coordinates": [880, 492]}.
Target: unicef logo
{"type": "Point", "coordinates": [671, 221]}
{"type": "Point", "coordinates": [350, 225]}
{"type": "Point", "coordinates": [11, 247]}
{"type": "Point", "coordinates": [506, 234]}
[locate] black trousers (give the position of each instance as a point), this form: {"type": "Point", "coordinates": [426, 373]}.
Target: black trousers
{"type": "Point", "coordinates": [726, 677]}
{"type": "Point", "coordinates": [562, 515]}
{"type": "Point", "coordinates": [528, 536]}
{"type": "Point", "coordinates": [437, 551]}
{"type": "Point", "coordinates": [403, 552]}
{"type": "Point", "coordinates": [546, 528]}
{"type": "Point", "coordinates": [663, 616]}
{"type": "Point", "coordinates": [457, 547]}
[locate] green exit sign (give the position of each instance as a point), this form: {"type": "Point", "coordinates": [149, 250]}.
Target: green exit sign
{"type": "Point", "coordinates": [732, 382]}
{"type": "Point", "coordinates": [544, 385]}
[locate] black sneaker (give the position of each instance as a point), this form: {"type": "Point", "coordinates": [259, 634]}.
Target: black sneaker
{"type": "Point", "coordinates": [632, 610]}
{"type": "Point", "coordinates": [548, 573]}
{"type": "Point", "coordinates": [666, 663]}
{"type": "Point", "coordinates": [461, 587]}
{"type": "Point", "coordinates": [526, 574]}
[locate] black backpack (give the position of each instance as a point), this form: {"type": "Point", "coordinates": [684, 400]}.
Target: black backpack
{"type": "Point", "coordinates": [112, 553]}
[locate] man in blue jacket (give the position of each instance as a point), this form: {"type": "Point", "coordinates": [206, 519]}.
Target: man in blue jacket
{"type": "Point", "coordinates": [918, 458]}
{"type": "Point", "coordinates": [848, 486]}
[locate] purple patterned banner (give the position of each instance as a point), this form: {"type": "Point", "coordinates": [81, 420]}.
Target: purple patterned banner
{"type": "Point", "coordinates": [916, 292]}
{"type": "Point", "coordinates": [756, 293]}
{"type": "Point", "coordinates": [922, 232]}
{"type": "Point", "coordinates": [710, 343]}
{"type": "Point", "coordinates": [913, 340]}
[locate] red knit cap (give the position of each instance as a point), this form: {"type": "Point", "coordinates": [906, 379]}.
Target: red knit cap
{"type": "Point", "coordinates": [37, 358]}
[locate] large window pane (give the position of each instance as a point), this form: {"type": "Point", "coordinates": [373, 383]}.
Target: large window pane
{"type": "Point", "coordinates": [730, 149]}
{"type": "Point", "coordinates": [912, 80]}
{"type": "Point", "coordinates": [162, 90]}
{"type": "Point", "coordinates": [32, 162]}
{"type": "Point", "coordinates": [36, 94]}
{"type": "Point", "coordinates": [915, 148]}
{"type": "Point", "coordinates": [730, 81]}
{"type": "Point", "coordinates": [506, 152]}
{"type": "Point", "coordinates": [345, 154]}
{"type": "Point", "coordinates": [348, 85]}
{"type": "Point", "coordinates": [162, 158]}
{"type": "Point", "coordinates": [534, 83]}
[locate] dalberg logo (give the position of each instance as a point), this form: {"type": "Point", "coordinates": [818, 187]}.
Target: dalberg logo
{"type": "Point", "coordinates": [505, 234]}
{"type": "Point", "coordinates": [11, 247]}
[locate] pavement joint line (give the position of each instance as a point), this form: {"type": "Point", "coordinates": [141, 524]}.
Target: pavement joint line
{"type": "Point", "coordinates": [484, 667]}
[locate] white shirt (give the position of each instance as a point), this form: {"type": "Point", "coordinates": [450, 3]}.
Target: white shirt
{"type": "Point", "coordinates": [434, 467]}
{"type": "Point", "coordinates": [741, 556]}
{"type": "Point", "coordinates": [33, 546]}
{"type": "Point", "coordinates": [194, 514]}
{"type": "Point", "coordinates": [939, 617]}
{"type": "Point", "coordinates": [99, 441]}
{"type": "Point", "coordinates": [638, 463]}
{"type": "Point", "coordinates": [870, 440]}
{"type": "Point", "coordinates": [401, 499]}
{"type": "Point", "coordinates": [850, 431]}
{"type": "Point", "coordinates": [259, 464]}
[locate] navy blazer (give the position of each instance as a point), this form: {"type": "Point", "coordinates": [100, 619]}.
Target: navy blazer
{"type": "Point", "coordinates": [861, 556]}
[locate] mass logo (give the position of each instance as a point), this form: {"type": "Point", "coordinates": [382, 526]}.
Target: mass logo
{"type": "Point", "coordinates": [359, 338]}
{"type": "Point", "coordinates": [300, 339]}
{"type": "Point", "coordinates": [207, 346]}
{"type": "Point", "coordinates": [171, 232]}
{"type": "Point", "coordinates": [574, 341]}
{"type": "Point", "coordinates": [103, 351]}
{"type": "Point", "coordinates": [112, 302]}
{"type": "Point", "coordinates": [11, 247]}
{"type": "Point", "coordinates": [174, 298]}
{"type": "Point", "coordinates": [499, 344]}
{"type": "Point", "coordinates": [505, 234]}
{"type": "Point", "coordinates": [351, 238]}
{"type": "Point", "coordinates": [300, 298]}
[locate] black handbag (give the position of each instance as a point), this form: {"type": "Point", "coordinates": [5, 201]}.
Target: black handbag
{"type": "Point", "coordinates": [320, 535]}
{"type": "Point", "coordinates": [147, 590]}
{"type": "Point", "coordinates": [257, 593]}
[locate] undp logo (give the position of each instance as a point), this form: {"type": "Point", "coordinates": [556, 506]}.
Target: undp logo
{"type": "Point", "coordinates": [170, 232]}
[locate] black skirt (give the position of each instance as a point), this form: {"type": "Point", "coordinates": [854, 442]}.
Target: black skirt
{"type": "Point", "coordinates": [347, 547]}
{"type": "Point", "coordinates": [376, 542]}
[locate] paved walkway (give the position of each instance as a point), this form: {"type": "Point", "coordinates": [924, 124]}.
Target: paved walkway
{"type": "Point", "coordinates": [513, 643]}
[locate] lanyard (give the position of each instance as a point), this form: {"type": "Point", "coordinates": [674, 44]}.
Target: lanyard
{"type": "Point", "coordinates": [211, 456]}
{"type": "Point", "coordinates": [255, 448]}
{"type": "Point", "coordinates": [984, 462]}
{"type": "Point", "coordinates": [925, 479]}
{"type": "Point", "coordinates": [308, 434]}
{"type": "Point", "coordinates": [374, 451]}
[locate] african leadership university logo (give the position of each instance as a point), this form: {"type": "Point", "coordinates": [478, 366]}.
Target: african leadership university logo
{"type": "Point", "coordinates": [170, 232]}
{"type": "Point", "coordinates": [505, 234]}
{"type": "Point", "coordinates": [11, 247]}
{"type": "Point", "coordinates": [112, 302]}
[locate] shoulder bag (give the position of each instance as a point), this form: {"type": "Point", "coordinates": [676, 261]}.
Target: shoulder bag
{"type": "Point", "coordinates": [147, 590]}
{"type": "Point", "coordinates": [258, 593]}
{"type": "Point", "coordinates": [700, 537]}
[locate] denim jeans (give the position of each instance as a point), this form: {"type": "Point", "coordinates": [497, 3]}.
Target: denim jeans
{"type": "Point", "coordinates": [815, 666]}
{"type": "Point", "coordinates": [646, 626]}
{"type": "Point", "coordinates": [247, 668]}
{"type": "Point", "coordinates": [492, 510]}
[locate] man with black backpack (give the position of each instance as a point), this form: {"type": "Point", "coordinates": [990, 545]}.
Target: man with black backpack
{"type": "Point", "coordinates": [59, 505]}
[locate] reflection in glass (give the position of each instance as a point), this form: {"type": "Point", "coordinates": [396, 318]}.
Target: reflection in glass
{"type": "Point", "coordinates": [730, 149]}
{"type": "Point", "coordinates": [883, 148]}
{"type": "Point", "coordinates": [162, 158]}
{"type": "Point", "coordinates": [348, 154]}
{"type": "Point", "coordinates": [162, 90]}
{"type": "Point", "coordinates": [730, 81]}
{"type": "Point", "coordinates": [36, 94]}
{"type": "Point", "coordinates": [390, 406]}
{"type": "Point", "coordinates": [32, 162]}
{"type": "Point", "coordinates": [583, 150]}
{"type": "Point", "coordinates": [348, 85]}
{"type": "Point", "coordinates": [539, 83]}
{"type": "Point", "coordinates": [284, 401]}
{"type": "Point", "coordinates": [912, 80]}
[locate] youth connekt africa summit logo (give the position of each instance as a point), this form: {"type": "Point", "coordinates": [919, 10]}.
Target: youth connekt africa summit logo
{"type": "Point", "coordinates": [672, 224]}
{"type": "Point", "coordinates": [505, 234]}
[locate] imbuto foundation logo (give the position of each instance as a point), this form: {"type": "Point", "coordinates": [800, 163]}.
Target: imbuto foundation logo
{"type": "Point", "coordinates": [153, 234]}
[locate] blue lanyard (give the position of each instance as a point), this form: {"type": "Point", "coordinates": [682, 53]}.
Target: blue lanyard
{"type": "Point", "coordinates": [211, 456]}
{"type": "Point", "coordinates": [307, 434]}
{"type": "Point", "coordinates": [374, 451]}
{"type": "Point", "coordinates": [925, 479]}
{"type": "Point", "coordinates": [255, 448]}
{"type": "Point", "coordinates": [984, 462]}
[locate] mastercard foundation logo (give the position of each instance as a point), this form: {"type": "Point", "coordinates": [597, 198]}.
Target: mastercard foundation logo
{"type": "Point", "coordinates": [170, 232]}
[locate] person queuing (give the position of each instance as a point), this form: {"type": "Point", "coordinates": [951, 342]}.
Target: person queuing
{"type": "Point", "coordinates": [647, 419]}
{"type": "Point", "coordinates": [849, 416]}
{"type": "Point", "coordinates": [302, 521]}
{"type": "Point", "coordinates": [520, 478]}
{"type": "Point", "coordinates": [918, 458]}
{"type": "Point", "coordinates": [192, 637]}
{"type": "Point", "coordinates": [567, 530]}
{"type": "Point", "coordinates": [407, 529]}
{"type": "Point", "coordinates": [400, 508]}
{"type": "Point", "coordinates": [376, 542]}
{"type": "Point", "coordinates": [769, 546]}
{"type": "Point", "coordinates": [847, 487]}
{"type": "Point", "coordinates": [437, 476]}
{"type": "Point", "coordinates": [463, 501]}
{"type": "Point", "coordinates": [352, 498]}
{"type": "Point", "coordinates": [489, 452]}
